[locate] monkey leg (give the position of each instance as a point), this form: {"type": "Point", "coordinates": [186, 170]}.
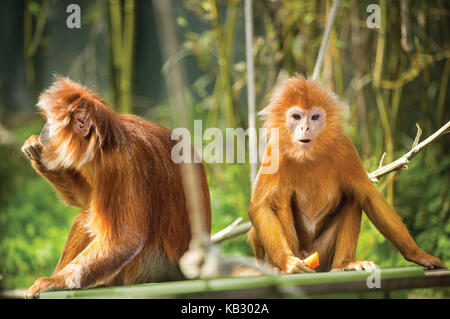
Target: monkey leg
{"type": "Point", "coordinates": [150, 265]}
{"type": "Point", "coordinates": [258, 251]}
{"type": "Point", "coordinates": [258, 248]}
{"type": "Point", "coordinates": [76, 241]}
{"type": "Point", "coordinates": [100, 259]}
{"type": "Point", "coordinates": [271, 236]}
{"type": "Point", "coordinates": [347, 240]}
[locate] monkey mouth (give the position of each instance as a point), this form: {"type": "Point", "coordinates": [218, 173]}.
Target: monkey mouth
{"type": "Point", "coordinates": [305, 141]}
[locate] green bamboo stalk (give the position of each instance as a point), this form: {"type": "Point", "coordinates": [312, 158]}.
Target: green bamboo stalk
{"type": "Point", "coordinates": [384, 119]}
{"type": "Point", "coordinates": [358, 60]}
{"type": "Point", "coordinates": [396, 98]}
{"type": "Point", "coordinates": [443, 93]}
{"type": "Point", "coordinates": [378, 69]}
{"type": "Point", "coordinates": [380, 97]}
{"type": "Point", "coordinates": [395, 69]}
{"type": "Point", "coordinates": [115, 12]}
{"type": "Point", "coordinates": [388, 141]}
{"type": "Point", "coordinates": [422, 20]}
{"type": "Point", "coordinates": [27, 38]}
{"type": "Point", "coordinates": [39, 29]}
{"type": "Point", "coordinates": [338, 72]}
{"type": "Point", "coordinates": [224, 65]}
{"type": "Point", "coordinates": [230, 27]}
{"type": "Point", "coordinates": [127, 54]}
{"type": "Point", "coordinates": [33, 39]}
{"type": "Point", "coordinates": [315, 33]}
{"type": "Point", "coordinates": [173, 70]}
{"type": "Point", "coordinates": [213, 112]}
{"type": "Point", "coordinates": [272, 73]}
{"type": "Point", "coordinates": [327, 73]}
{"type": "Point", "coordinates": [189, 287]}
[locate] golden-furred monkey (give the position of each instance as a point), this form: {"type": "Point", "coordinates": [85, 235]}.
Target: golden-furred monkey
{"type": "Point", "coordinates": [315, 199]}
{"type": "Point", "coordinates": [134, 223]}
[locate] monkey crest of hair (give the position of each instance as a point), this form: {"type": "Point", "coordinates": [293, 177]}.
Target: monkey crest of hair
{"type": "Point", "coordinates": [305, 93]}
{"type": "Point", "coordinates": [117, 168]}
{"type": "Point", "coordinates": [59, 104]}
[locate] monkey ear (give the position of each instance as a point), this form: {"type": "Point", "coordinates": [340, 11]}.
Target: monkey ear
{"type": "Point", "coordinates": [82, 125]}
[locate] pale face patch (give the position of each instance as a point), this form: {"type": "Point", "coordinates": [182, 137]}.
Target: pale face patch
{"type": "Point", "coordinates": [305, 125]}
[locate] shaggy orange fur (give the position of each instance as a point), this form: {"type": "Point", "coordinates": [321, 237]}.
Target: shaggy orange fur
{"type": "Point", "coordinates": [134, 224]}
{"type": "Point", "coordinates": [315, 200]}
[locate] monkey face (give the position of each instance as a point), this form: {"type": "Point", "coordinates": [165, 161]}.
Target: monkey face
{"type": "Point", "coordinates": [79, 124]}
{"type": "Point", "coordinates": [307, 116]}
{"type": "Point", "coordinates": [67, 137]}
{"type": "Point", "coordinates": [69, 145]}
{"type": "Point", "coordinates": [305, 125]}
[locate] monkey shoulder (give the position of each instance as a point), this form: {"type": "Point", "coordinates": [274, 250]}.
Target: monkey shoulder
{"type": "Point", "coordinates": [133, 121]}
{"type": "Point", "coordinates": [146, 132]}
{"type": "Point", "coordinates": [351, 173]}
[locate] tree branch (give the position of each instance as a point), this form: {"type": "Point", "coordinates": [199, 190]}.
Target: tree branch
{"type": "Point", "coordinates": [416, 148]}
{"type": "Point", "coordinates": [232, 230]}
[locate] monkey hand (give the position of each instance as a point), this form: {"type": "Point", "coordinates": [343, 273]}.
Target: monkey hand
{"type": "Point", "coordinates": [295, 265]}
{"type": "Point", "coordinates": [32, 148]}
{"type": "Point", "coordinates": [426, 260]}
{"type": "Point", "coordinates": [356, 265]}
{"type": "Point", "coordinates": [45, 284]}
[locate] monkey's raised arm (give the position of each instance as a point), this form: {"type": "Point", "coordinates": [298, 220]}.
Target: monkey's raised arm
{"type": "Point", "coordinates": [71, 186]}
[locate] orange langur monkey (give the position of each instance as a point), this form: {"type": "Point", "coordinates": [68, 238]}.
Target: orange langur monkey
{"type": "Point", "coordinates": [134, 224]}
{"type": "Point", "coordinates": [315, 199]}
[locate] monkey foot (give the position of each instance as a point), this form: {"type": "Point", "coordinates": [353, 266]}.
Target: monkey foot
{"type": "Point", "coordinates": [357, 265]}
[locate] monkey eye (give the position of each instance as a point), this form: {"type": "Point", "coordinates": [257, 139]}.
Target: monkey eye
{"type": "Point", "coordinates": [296, 116]}
{"type": "Point", "coordinates": [315, 117]}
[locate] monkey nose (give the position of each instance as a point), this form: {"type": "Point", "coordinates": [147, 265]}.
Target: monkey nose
{"type": "Point", "coordinates": [305, 128]}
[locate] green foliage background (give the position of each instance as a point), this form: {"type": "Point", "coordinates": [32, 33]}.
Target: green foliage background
{"type": "Point", "coordinates": [388, 89]}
